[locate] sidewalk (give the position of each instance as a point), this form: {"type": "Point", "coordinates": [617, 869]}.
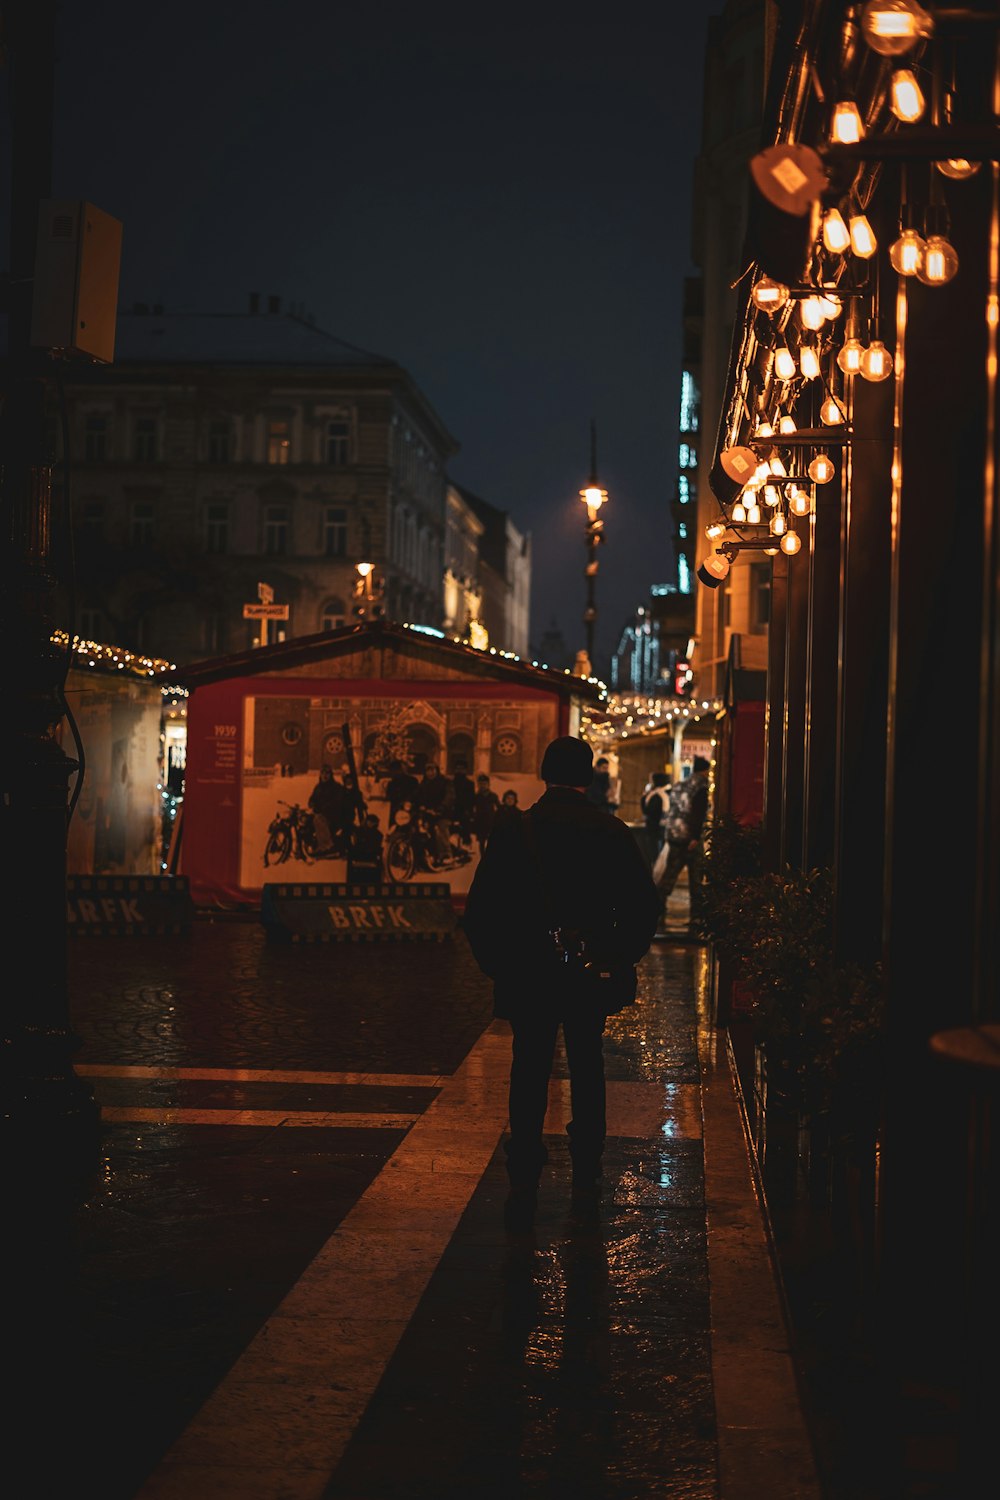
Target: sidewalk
{"type": "Point", "coordinates": [292, 1280]}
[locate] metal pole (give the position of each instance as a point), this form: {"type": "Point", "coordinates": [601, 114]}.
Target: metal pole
{"type": "Point", "coordinates": [50, 1117]}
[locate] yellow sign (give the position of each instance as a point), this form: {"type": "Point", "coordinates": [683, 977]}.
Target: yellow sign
{"type": "Point", "coordinates": [265, 611]}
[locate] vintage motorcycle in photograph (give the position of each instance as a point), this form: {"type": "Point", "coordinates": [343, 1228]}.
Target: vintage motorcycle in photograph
{"type": "Point", "coordinates": [411, 845]}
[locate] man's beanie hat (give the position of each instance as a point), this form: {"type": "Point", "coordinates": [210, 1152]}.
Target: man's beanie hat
{"type": "Point", "coordinates": [568, 762]}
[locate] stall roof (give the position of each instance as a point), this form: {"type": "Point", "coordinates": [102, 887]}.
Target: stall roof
{"type": "Point", "coordinates": [305, 651]}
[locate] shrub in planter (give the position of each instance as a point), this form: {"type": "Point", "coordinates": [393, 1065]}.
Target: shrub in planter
{"type": "Point", "coordinates": [819, 1023]}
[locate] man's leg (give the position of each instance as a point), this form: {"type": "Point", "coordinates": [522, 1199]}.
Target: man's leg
{"type": "Point", "coordinates": [583, 1035]}
{"type": "Point", "coordinates": [532, 1050]}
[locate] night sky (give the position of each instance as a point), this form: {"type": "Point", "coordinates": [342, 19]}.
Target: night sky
{"type": "Point", "coordinates": [496, 197]}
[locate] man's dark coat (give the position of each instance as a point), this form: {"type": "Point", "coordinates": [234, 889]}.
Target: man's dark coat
{"type": "Point", "coordinates": [581, 870]}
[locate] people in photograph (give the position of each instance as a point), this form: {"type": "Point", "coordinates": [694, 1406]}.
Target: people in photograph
{"type": "Point", "coordinates": [436, 799]}
{"type": "Point", "coordinates": [366, 850]}
{"type": "Point", "coordinates": [509, 798]}
{"type": "Point", "coordinates": [556, 878]}
{"type": "Point", "coordinates": [402, 786]}
{"type": "Point", "coordinates": [484, 810]}
{"type": "Point", "coordinates": [327, 802]}
{"type": "Point", "coordinates": [463, 794]}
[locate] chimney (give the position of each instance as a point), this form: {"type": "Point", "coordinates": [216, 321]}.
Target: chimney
{"type": "Point", "coordinates": [273, 304]}
{"type": "Point", "coordinates": [254, 302]}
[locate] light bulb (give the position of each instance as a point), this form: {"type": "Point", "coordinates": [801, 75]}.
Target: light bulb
{"type": "Point", "coordinates": [799, 503]}
{"type": "Point", "coordinates": [846, 127]}
{"type": "Point", "coordinates": [771, 496]}
{"type": "Point", "coordinates": [771, 551]}
{"type": "Point", "coordinates": [832, 307]}
{"type": "Point", "coordinates": [808, 362]}
{"type": "Point", "coordinates": [717, 528]}
{"type": "Point", "coordinates": [863, 241]}
{"type": "Point", "coordinates": [939, 262]}
{"type": "Point", "coordinates": [907, 97]}
{"type": "Point", "coordinates": [775, 465]}
{"type": "Point", "coordinates": [787, 424]}
{"type": "Point", "coordinates": [714, 569]}
{"type": "Point", "coordinates": [811, 313]}
{"type": "Point", "coordinates": [893, 27]}
{"type": "Point", "coordinates": [784, 364]}
{"type": "Point", "coordinates": [831, 413]}
{"type": "Point", "coordinates": [769, 295]}
{"type": "Point", "coordinates": [849, 358]}
{"type": "Point", "coordinates": [958, 168]}
{"type": "Point", "coordinates": [739, 513]}
{"type": "Point", "coordinates": [778, 524]}
{"type": "Point", "coordinates": [753, 515]}
{"type": "Point", "coordinates": [790, 543]}
{"type": "Point", "coordinates": [822, 470]}
{"type": "Point", "coordinates": [836, 235]}
{"type": "Point", "coordinates": [906, 253]}
{"type": "Point", "coordinates": [876, 362]}
{"type": "Point", "coordinates": [764, 429]}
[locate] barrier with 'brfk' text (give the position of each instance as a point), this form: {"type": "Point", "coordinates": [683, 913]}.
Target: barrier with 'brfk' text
{"type": "Point", "coordinates": [314, 912]}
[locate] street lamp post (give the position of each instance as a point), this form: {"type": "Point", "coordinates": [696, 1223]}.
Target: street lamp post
{"type": "Point", "coordinates": [593, 496]}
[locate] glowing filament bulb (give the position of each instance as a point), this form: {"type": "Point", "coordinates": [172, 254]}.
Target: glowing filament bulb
{"type": "Point", "coordinates": [771, 496]}
{"type": "Point", "coordinates": [761, 475]}
{"type": "Point", "coordinates": [717, 528]}
{"type": "Point", "coordinates": [776, 466]}
{"type": "Point", "coordinates": [957, 168]}
{"type": "Point", "coordinates": [811, 313]}
{"type": "Point", "coordinates": [892, 27]}
{"type": "Point", "coordinates": [753, 515]}
{"type": "Point", "coordinates": [739, 512]}
{"type": "Point", "coordinates": [784, 364]}
{"type": "Point", "coordinates": [799, 502]}
{"type": "Point", "coordinates": [790, 543]}
{"type": "Point", "coordinates": [769, 295]}
{"type": "Point", "coordinates": [778, 524]}
{"type": "Point", "coordinates": [846, 128]}
{"type": "Point", "coordinates": [831, 413]}
{"type": "Point", "coordinates": [907, 97]}
{"type": "Point", "coordinates": [863, 240]}
{"type": "Point", "coordinates": [876, 362]}
{"type": "Point", "coordinates": [787, 424]}
{"type": "Point", "coordinates": [821, 470]}
{"type": "Point", "coordinates": [939, 262]}
{"type": "Point", "coordinates": [764, 429]}
{"type": "Point", "coordinates": [849, 358]}
{"type": "Point", "coordinates": [836, 235]}
{"type": "Point", "coordinates": [907, 253]}
{"type": "Point", "coordinates": [808, 362]}
{"type": "Point", "coordinates": [832, 307]}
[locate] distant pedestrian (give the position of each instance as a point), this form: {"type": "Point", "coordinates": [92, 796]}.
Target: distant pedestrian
{"type": "Point", "coordinates": [654, 809]}
{"type": "Point", "coordinates": [561, 909]}
{"type": "Point", "coordinates": [603, 790]}
{"type": "Point", "coordinates": [687, 810]}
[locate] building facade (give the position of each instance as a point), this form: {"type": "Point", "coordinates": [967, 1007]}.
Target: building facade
{"type": "Point", "coordinates": [222, 453]}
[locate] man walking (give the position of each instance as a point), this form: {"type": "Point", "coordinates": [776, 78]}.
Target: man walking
{"type": "Point", "coordinates": [561, 909]}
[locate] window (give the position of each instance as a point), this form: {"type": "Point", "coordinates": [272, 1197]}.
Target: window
{"type": "Point", "coordinates": [760, 597]}
{"type": "Point", "coordinates": [145, 440]}
{"type": "Point", "coordinates": [141, 524]}
{"type": "Point", "coordinates": [92, 519]}
{"type": "Point", "coordinates": [220, 442]}
{"type": "Point", "coordinates": [275, 530]}
{"type": "Point", "coordinates": [338, 441]}
{"type": "Point", "coordinates": [334, 614]}
{"type": "Point", "coordinates": [217, 527]}
{"type": "Point", "coordinates": [95, 437]}
{"type": "Point", "coordinates": [334, 532]}
{"type": "Point", "coordinates": [279, 441]}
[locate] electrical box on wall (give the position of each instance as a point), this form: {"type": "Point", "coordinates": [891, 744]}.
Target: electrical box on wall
{"type": "Point", "coordinates": [75, 297]}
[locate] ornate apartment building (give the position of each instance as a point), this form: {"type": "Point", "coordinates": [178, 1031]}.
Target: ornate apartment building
{"type": "Point", "coordinates": [223, 452]}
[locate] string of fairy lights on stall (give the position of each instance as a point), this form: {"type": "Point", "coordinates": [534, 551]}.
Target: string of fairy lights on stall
{"type": "Point", "coordinates": [810, 341]}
